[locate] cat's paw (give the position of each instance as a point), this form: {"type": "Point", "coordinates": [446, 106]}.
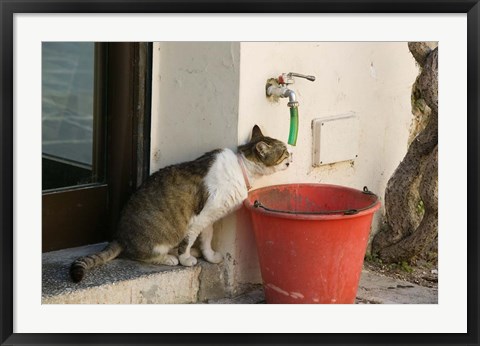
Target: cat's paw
{"type": "Point", "coordinates": [170, 260]}
{"type": "Point", "coordinates": [213, 256]}
{"type": "Point", "coordinates": [188, 261]}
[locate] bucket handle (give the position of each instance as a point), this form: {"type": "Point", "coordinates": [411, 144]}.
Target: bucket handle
{"type": "Point", "coordinates": [258, 204]}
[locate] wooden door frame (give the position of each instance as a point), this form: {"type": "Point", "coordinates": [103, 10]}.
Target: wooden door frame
{"type": "Point", "coordinates": [89, 214]}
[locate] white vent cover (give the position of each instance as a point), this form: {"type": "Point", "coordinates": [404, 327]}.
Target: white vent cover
{"type": "Point", "coordinates": [335, 139]}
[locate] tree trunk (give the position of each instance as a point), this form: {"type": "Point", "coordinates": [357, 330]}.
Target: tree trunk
{"type": "Point", "coordinates": [420, 240]}
{"type": "Point", "coordinates": [410, 231]}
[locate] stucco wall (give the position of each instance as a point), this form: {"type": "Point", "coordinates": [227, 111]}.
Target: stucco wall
{"type": "Point", "coordinates": [209, 95]}
{"type": "Point", "coordinates": [373, 80]}
{"type": "Point", "coordinates": [194, 100]}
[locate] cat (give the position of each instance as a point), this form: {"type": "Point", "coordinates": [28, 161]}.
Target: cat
{"type": "Point", "coordinates": [180, 202]}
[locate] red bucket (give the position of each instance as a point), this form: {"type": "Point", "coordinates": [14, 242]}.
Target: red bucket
{"type": "Point", "coordinates": [311, 241]}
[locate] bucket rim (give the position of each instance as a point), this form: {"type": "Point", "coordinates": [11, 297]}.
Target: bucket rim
{"type": "Point", "coordinates": [298, 216]}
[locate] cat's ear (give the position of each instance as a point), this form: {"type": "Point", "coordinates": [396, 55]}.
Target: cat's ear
{"type": "Point", "coordinates": [262, 148]}
{"type": "Point", "coordinates": [256, 133]}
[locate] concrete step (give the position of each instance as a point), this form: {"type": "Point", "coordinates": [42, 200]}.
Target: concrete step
{"type": "Point", "coordinates": [129, 282]}
{"type": "Point", "coordinates": [124, 281]}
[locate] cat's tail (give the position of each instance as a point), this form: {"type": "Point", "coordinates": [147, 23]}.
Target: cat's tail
{"type": "Point", "coordinates": [80, 266]}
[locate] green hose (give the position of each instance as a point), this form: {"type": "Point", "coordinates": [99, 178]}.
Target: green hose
{"type": "Point", "coordinates": [292, 137]}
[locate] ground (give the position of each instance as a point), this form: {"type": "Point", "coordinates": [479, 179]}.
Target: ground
{"type": "Point", "coordinates": [421, 271]}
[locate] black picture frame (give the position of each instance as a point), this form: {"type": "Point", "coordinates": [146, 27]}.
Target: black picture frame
{"type": "Point", "coordinates": [10, 7]}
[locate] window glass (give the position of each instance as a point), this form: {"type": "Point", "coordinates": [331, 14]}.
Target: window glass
{"type": "Point", "coordinates": [68, 82]}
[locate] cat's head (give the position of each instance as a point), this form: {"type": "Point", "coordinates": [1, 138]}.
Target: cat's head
{"type": "Point", "coordinates": [267, 155]}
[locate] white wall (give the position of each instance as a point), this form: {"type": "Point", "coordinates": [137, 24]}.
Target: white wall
{"type": "Point", "coordinates": [373, 80]}
{"type": "Point", "coordinates": [194, 101]}
{"type": "Point", "coordinates": [209, 95]}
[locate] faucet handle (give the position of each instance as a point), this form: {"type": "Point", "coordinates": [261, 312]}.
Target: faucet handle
{"type": "Point", "coordinates": [294, 74]}
{"type": "Point", "coordinates": [287, 78]}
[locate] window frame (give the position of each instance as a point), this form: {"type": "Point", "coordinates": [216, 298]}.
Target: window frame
{"type": "Point", "coordinates": [87, 214]}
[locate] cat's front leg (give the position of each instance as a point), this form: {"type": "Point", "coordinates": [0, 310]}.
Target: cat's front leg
{"type": "Point", "coordinates": [206, 246]}
{"type": "Point", "coordinates": [184, 255]}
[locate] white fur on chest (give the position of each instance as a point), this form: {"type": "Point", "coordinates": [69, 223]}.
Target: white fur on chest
{"type": "Point", "coordinates": [227, 190]}
{"type": "Point", "coordinates": [225, 182]}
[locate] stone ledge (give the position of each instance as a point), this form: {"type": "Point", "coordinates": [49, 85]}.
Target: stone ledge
{"type": "Point", "coordinates": [124, 281]}
{"type": "Point", "coordinates": [129, 282]}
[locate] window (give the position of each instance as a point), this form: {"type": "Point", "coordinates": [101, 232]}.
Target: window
{"type": "Point", "coordinates": [69, 117]}
{"type": "Point", "coordinates": [95, 137]}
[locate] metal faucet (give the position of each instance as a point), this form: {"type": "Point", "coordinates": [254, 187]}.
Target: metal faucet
{"type": "Point", "coordinates": [279, 88]}
{"type": "Point", "coordinates": [282, 90]}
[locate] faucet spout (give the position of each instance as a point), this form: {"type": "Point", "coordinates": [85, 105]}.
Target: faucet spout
{"type": "Point", "coordinates": [292, 97]}
{"type": "Point", "coordinates": [282, 91]}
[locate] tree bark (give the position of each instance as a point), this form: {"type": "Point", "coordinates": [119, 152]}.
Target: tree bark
{"type": "Point", "coordinates": [420, 240]}
{"type": "Point", "coordinates": [408, 232]}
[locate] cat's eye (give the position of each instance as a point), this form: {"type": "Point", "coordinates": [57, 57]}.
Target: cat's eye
{"type": "Point", "coordinates": [284, 156]}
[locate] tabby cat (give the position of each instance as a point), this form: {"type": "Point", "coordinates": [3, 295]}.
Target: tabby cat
{"type": "Point", "coordinates": [176, 204]}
